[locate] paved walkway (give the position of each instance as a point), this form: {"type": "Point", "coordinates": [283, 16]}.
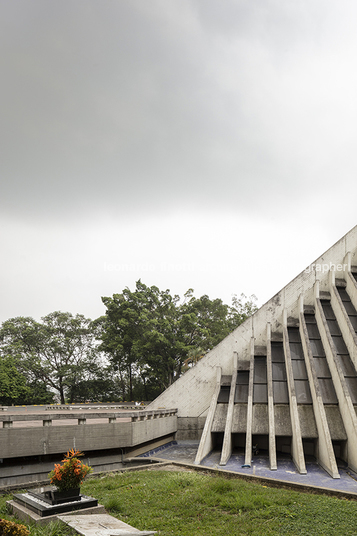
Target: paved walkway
{"type": "Point", "coordinates": [185, 451]}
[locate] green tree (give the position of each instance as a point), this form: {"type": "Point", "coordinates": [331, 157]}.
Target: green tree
{"type": "Point", "coordinates": [96, 384]}
{"type": "Point", "coordinates": [139, 333]}
{"type": "Point", "coordinates": [59, 351]}
{"type": "Point", "coordinates": [13, 388]}
{"type": "Point", "coordinates": [150, 337]}
{"type": "Point", "coordinates": [204, 322]}
{"type": "Point", "coordinates": [38, 394]}
{"type": "Point", "coordinates": [241, 309]}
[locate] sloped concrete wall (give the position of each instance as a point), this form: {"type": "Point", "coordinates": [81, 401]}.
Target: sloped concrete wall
{"type": "Point", "coordinates": [192, 393]}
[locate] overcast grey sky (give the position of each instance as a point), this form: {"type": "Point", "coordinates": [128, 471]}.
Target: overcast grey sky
{"type": "Point", "coordinates": [189, 143]}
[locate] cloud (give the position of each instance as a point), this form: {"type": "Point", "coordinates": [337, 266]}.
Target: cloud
{"type": "Point", "coordinates": [174, 132]}
{"type": "Point", "coordinates": [137, 107]}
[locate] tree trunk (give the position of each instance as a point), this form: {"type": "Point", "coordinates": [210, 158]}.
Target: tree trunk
{"type": "Point", "coordinates": [130, 384]}
{"type": "Point", "coordinates": [145, 388]}
{"type": "Point", "coordinates": [61, 394]}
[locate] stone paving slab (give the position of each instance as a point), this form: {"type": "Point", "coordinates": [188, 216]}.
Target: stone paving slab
{"type": "Point", "coordinates": [101, 525]}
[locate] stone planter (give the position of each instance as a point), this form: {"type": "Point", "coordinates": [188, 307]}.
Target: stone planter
{"type": "Point", "coordinates": [60, 497]}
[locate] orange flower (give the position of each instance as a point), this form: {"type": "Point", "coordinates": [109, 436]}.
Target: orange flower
{"type": "Point", "coordinates": [71, 473]}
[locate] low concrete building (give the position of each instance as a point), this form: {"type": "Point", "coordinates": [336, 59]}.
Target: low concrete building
{"type": "Point", "coordinates": [32, 439]}
{"type": "Point", "coordinates": [284, 381]}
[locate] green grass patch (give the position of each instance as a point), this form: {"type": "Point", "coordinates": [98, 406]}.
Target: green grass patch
{"type": "Point", "coordinates": [186, 503]}
{"type": "Point", "coordinates": [203, 504]}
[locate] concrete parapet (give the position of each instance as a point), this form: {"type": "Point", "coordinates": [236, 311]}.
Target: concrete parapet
{"type": "Point", "coordinates": [120, 430]}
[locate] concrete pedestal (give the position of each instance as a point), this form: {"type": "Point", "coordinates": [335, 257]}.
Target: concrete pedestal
{"type": "Point", "coordinates": [24, 513]}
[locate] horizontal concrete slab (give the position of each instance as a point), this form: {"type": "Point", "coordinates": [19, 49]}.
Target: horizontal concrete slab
{"type": "Point", "coordinates": [101, 525]}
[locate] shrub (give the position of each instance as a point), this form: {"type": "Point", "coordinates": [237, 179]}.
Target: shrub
{"type": "Point", "coordinates": [8, 528]}
{"type": "Point", "coordinates": [71, 473]}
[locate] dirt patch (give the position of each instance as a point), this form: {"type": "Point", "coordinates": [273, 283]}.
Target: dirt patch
{"type": "Point", "coordinates": [169, 467]}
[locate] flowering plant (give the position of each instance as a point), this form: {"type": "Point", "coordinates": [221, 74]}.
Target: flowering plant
{"type": "Point", "coordinates": [71, 473]}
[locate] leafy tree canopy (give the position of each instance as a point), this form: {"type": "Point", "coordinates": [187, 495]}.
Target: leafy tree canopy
{"type": "Point", "coordinates": [151, 334]}
{"type": "Point", "coordinates": [13, 388]}
{"type": "Point", "coordinates": [148, 336]}
{"type": "Point", "coordinates": [57, 351]}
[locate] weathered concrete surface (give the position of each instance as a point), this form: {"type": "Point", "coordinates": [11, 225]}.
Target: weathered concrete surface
{"type": "Point", "coordinates": [101, 525]}
{"type": "Point", "coordinates": [335, 423]}
{"type": "Point", "coordinates": [220, 416]}
{"type": "Point", "coordinates": [190, 427]}
{"type": "Point", "coordinates": [307, 422]}
{"type": "Point", "coordinates": [119, 431]}
{"type": "Point", "coordinates": [260, 419]}
{"type": "Point", "coordinates": [239, 423]}
{"type": "Point", "coordinates": [282, 420]}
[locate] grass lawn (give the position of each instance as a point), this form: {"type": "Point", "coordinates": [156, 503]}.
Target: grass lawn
{"type": "Point", "coordinates": [199, 504]}
{"type": "Point", "coordinates": [193, 503]}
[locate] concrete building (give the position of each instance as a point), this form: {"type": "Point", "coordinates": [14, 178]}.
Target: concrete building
{"type": "Point", "coordinates": [33, 438]}
{"type": "Point", "coordinates": [285, 381]}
